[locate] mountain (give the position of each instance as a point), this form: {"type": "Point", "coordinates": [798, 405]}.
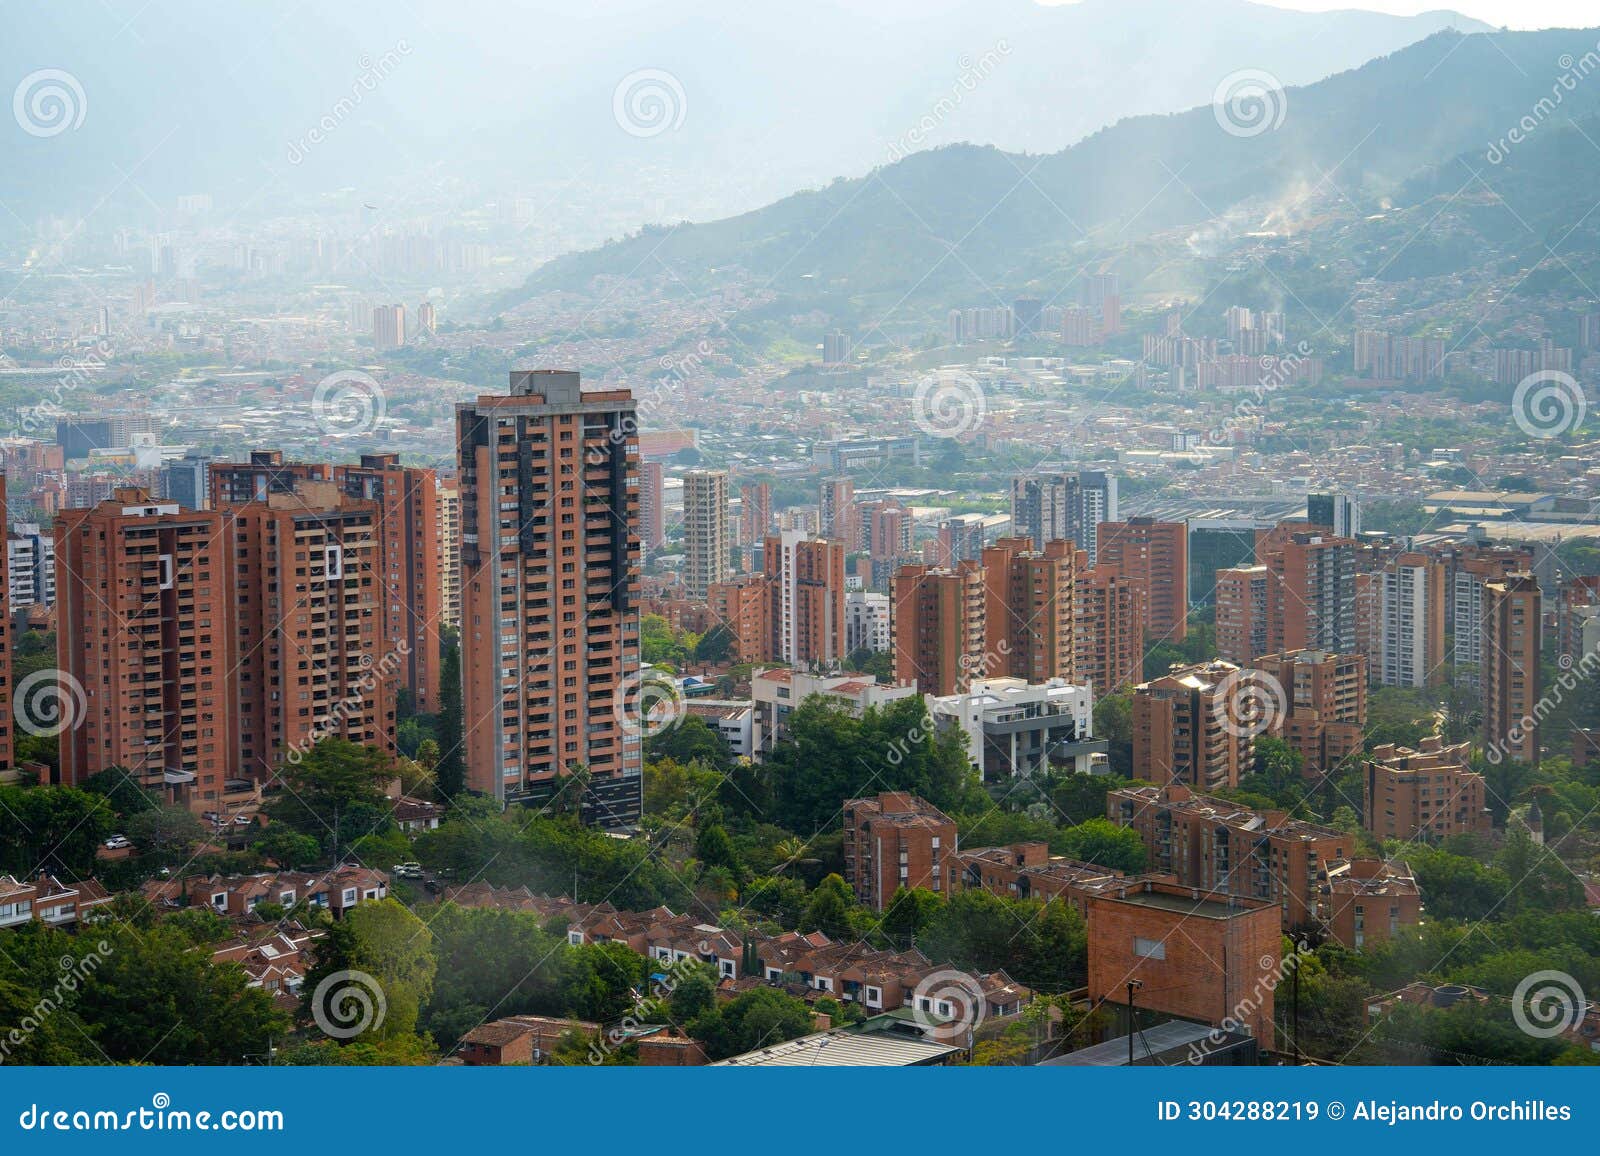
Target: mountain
{"type": "Point", "coordinates": [192, 96]}
{"type": "Point", "coordinates": [959, 222]}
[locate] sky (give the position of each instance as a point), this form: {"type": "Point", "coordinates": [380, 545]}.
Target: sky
{"type": "Point", "coordinates": [1505, 13]}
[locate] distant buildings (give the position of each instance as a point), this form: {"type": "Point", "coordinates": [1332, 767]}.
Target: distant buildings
{"type": "Point", "coordinates": [1156, 553]}
{"type": "Point", "coordinates": [1510, 678]}
{"type": "Point", "coordinates": [1340, 513]}
{"type": "Point", "coordinates": [388, 326]}
{"type": "Point", "coordinates": [1047, 507]}
{"type": "Point", "coordinates": [707, 545]}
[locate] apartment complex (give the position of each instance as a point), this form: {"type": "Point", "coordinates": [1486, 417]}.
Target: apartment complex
{"type": "Point", "coordinates": [1052, 507]}
{"type": "Point", "coordinates": [1185, 729]}
{"type": "Point", "coordinates": [1156, 553]}
{"type": "Point", "coordinates": [892, 841]}
{"type": "Point", "coordinates": [549, 559]}
{"type": "Point", "coordinates": [1427, 793]}
{"type": "Point", "coordinates": [1028, 609]}
{"type": "Point", "coordinates": [409, 553]}
{"type": "Point", "coordinates": [145, 612]}
{"type": "Point", "coordinates": [1243, 613]}
{"type": "Point", "coordinates": [1510, 671]}
{"type": "Point", "coordinates": [449, 514]}
{"type": "Point", "coordinates": [706, 544]}
{"type": "Point", "coordinates": [1411, 615]}
{"type": "Point", "coordinates": [939, 626]}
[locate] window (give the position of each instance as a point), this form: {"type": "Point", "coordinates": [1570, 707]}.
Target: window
{"type": "Point", "coordinates": [1149, 948]}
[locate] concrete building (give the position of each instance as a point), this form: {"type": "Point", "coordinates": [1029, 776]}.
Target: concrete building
{"type": "Point", "coordinates": [867, 622]}
{"type": "Point", "coordinates": [30, 566]}
{"type": "Point", "coordinates": [449, 518]}
{"type": "Point", "coordinates": [1411, 622]}
{"type": "Point", "coordinates": [776, 693]}
{"type": "Point", "coordinates": [1052, 506]}
{"type": "Point", "coordinates": [706, 543]}
{"type": "Point", "coordinates": [808, 598]}
{"type": "Point", "coordinates": [388, 326]}
{"type": "Point", "coordinates": [549, 558]}
{"type": "Point", "coordinates": [652, 514]}
{"type": "Point", "coordinates": [1012, 727]}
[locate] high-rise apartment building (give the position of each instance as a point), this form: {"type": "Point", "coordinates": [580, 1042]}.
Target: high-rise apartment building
{"type": "Point", "coordinates": [1157, 553]}
{"type": "Point", "coordinates": [1047, 507]}
{"type": "Point", "coordinates": [30, 565]}
{"type": "Point", "coordinates": [836, 500]}
{"type": "Point", "coordinates": [707, 545]}
{"type": "Point", "coordinates": [1243, 613]}
{"type": "Point", "coordinates": [449, 515]}
{"type": "Point", "coordinates": [1510, 672]}
{"type": "Point", "coordinates": [1312, 595]}
{"type": "Point", "coordinates": [549, 559]}
{"type": "Point", "coordinates": [388, 326]}
{"type": "Point", "coordinates": [145, 608]}
{"type": "Point", "coordinates": [755, 511]}
{"type": "Point", "coordinates": [1340, 513]}
{"type": "Point", "coordinates": [408, 558]}
{"type": "Point", "coordinates": [939, 626]}
{"type": "Point", "coordinates": [1469, 570]}
{"type": "Point", "coordinates": [652, 515]}
{"type": "Point", "coordinates": [1411, 622]}
{"type": "Point", "coordinates": [1029, 619]}
{"type": "Point", "coordinates": [1111, 614]}
{"type": "Point", "coordinates": [1323, 710]}
{"type": "Point", "coordinates": [1186, 728]}
{"type": "Point", "coordinates": [807, 592]}
{"type": "Point", "coordinates": [308, 591]}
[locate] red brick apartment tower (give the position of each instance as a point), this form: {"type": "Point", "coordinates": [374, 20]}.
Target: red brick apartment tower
{"type": "Point", "coordinates": [1111, 614]}
{"type": "Point", "coordinates": [1511, 626]}
{"type": "Point", "coordinates": [145, 597]}
{"type": "Point", "coordinates": [550, 561]}
{"type": "Point", "coordinates": [755, 511]}
{"type": "Point", "coordinates": [1029, 615]}
{"type": "Point", "coordinates": [896, 840]}
{"type": "Point", "coordinates": [652, 517]}
{"type": "Point", "coordinates": [807, 591]}
{"type": "Point", "coordinates": [1157, 553]}
{"type": "Point", "coordinates": [1243, 626]}
{"type": "Point", "coordinates": [409, 556]}
{"type": "Point", "coordinates": [938, 626]}
{"type": "Point", "coordinates": [1182, 732]}
{"type": "Point", "coordinates": [313, 662]}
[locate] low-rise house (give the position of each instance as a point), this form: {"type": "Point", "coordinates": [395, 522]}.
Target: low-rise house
{"type": "Point", "coordinates": [48, 899]}
{"type": "Point", "coordinates": [336, 890]}
{"type": "Point", "coordinates": [518, 1040]}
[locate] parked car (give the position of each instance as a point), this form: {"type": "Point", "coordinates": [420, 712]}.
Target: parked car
{"type": "Point", "coordinates": [408, 870]}
{"type": "Point", "coordinates": [242, 820]}
{"type": "Point", "coordinates": [118, 843]}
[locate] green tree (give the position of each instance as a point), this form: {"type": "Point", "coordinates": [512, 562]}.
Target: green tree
{"type": "Point", "coordinates": [1105, 844]}
{"type": "Point", "coordinates": [335, 793]}
{"type": "Point", "coordinates": [450, 771]}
